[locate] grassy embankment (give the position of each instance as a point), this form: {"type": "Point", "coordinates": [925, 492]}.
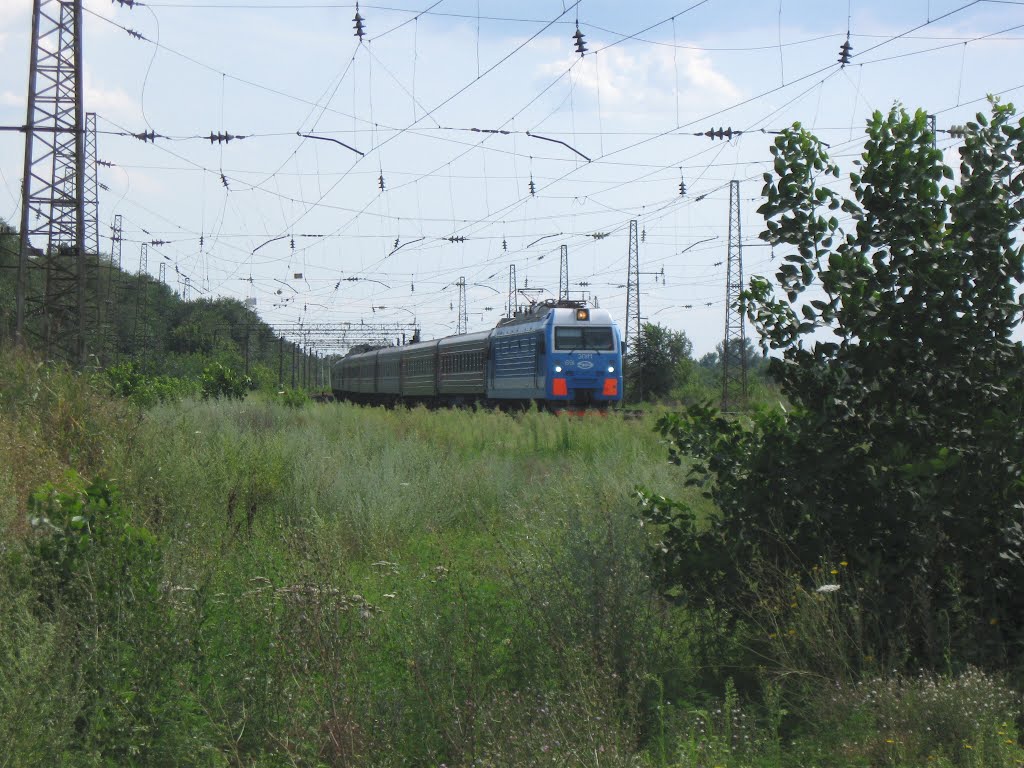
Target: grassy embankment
{"type": "Point", "coordinates": [344, 586]}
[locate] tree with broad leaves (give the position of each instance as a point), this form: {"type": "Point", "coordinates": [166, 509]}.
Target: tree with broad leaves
{"type": "Point", "coordinates": [903, 451]}
{"type": "Point", "coordinates": [656, 362]}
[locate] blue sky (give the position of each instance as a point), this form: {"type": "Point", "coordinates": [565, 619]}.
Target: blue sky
{"type": "Point", "coordinates": [408, 98]}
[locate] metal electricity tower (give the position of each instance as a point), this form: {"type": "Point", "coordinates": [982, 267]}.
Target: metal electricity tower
{"type": "Point", "coordinates": [116, 234]}
{"type": "Point", "coordinates": [462, 324]}
{"type": "Point", "coordinates": [53, 184]}
{"type": "Point", "coordinates": [632, 287]}
{"type": "Point", "coordinates": [563, 275]}
{"type": "Point", "coordinates": [734, 344]}
{"type": "Point", "coordinates": [91, 192]}
{"type": "Point", "coordinates": [513, 291]}
{"type": "Point", "coordinates": [141, 334]}
{"type": "Point", "coordinates": [114, 291]}
{"type": "Point", "coordinates": [163, 274]}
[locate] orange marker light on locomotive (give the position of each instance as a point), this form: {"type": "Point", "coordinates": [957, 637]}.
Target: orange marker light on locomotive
{"type": "Point", "coordinates": [559, 387]}
{"type": "Point", "coordinates": [582, 314]}
{"type": "Point", "coordinates": [611, 388]}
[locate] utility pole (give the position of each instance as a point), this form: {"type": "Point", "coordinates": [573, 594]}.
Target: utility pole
{"type": "Point", "coordinates": [462, 323]}
{"type": "Point", "coordinates": [91, 194]}
{"type": "Point", "coordinates": [563, 274]}
{"type": "Point", "coordinates": [280, 362]}
{"type": "Point", "coordinates": [53, 203]}
{"type": "Point", "coordinates": [141, 303]}
{"type": "Point", "coordinates": [632, 287]}
{"type": "Point", "coordinates": [734, 343]}
{"type": "Point", "coordinates": [115, 293]}
{"type": "Point", "coordinates": [513, 304]}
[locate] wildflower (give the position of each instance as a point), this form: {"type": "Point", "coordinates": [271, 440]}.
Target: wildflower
{"type": "Point", "coordinates": [844, 563]}
{"type": "Point", "coordinates": [828, 588]}
{"type": "Point", "coordinates": [834, 572]}
{"type": "Point", "coordinates": [968, 746]}
{"type": "Point", "coordinates": [993, 621]}
{"type": "Point", "coordinates": [889, 741]}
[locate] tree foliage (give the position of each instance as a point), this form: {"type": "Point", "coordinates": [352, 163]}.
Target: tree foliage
{"type": "Point", "coordinates": [903, 452]}
{"type": "Point", "coordinates": [657, 362]}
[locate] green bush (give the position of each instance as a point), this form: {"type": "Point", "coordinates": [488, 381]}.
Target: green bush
{"type": "Point", "coordinates": [221, 382]}
{"type": "Point", "coordinates": [146, 390]}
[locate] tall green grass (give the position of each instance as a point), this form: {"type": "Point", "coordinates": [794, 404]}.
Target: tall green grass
{"type": "Point", "coordinates": [335, 585]}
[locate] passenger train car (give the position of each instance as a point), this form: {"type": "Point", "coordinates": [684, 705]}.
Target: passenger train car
{"type": "Point", "coordinates": [557, 354]}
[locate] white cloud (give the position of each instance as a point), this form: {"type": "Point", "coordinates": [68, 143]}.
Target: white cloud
{"type": "Point", "coordinates": [631, 79]}
{"type": "Point", "coordinates": [114, 103]}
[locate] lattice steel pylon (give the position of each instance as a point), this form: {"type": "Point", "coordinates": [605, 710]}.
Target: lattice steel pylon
{"type": "Point", "coordinates": [513, 291]}
{"type": "Point", "coordinates": [141, 334]}
{"type": "Point", "coordinates": [114, 291]}
{"type": "Point", "coordinates": [734, 343]}
{"type": "Point", "coordinates": [53, 195]}
{"type": "Point", "coordinates": [93, 265]}
{"type": "Point", "coordinates": [462, 324]}
{"type": "Point", "coordinates": [563, 275]}
{"type": "Point", "coordinates": [632, 287]}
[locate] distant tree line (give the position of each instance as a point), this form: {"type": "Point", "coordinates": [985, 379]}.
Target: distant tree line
{"type": "Point", "coordinates": [136, 318]}
{"type": "Point", "coordinates": [660, 365]}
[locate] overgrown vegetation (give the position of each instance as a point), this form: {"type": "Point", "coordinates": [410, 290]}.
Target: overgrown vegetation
{"type": "Point", "coordinates": [249, 583]}
{"type": "Point", "coordinates": [884, 508]}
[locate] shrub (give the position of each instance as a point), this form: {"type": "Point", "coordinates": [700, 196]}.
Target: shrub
{"type": "Point", "coordinates": [221, 382]}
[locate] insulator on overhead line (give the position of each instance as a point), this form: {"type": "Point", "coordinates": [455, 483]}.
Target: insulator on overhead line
{"type": "Point", "coordinates": [224, 181]}
{"type": "Point", "coordinates": [504, 244]}
{"type": "Point", "coordinates": [158, 242]}
{"type": "Point", "coordinates": [581, 46]}
{"type": "Point", "coordinates": [145, 136]}
{"type": "Point", "coordinates": [124, 3]}
{"type": "Point", "coordinates": [104, 187]}
{"type": "Point", "coordinates": [222, 138]}
{"type": "Point", "coordinates": [720, 133]}
{"type": "Point", "coordinates": [957, 131]}
{"type": "Point", "coordinates": [682, 186]}
{"type": "Point", "coordinates": [133, 33]}
{"type": "Point", "coordinates": [599, 235]}
{"type": "Point", "coordinates": [844, 51]}
{"type": "Point", "coordinates": [396, 243]}
{"type": "Point", "coordinates": [105, 163]}
{"type": "Point", "coordinates": [293, 243]}
{"type": "Point", "coordinates": [358, 25]}
{"type": "Point", "coordinates": [643, 235]}
{"type": "Point", "coordinates": [533, 187]}
{"type": "Point", "coordinates": [456, 239]}
{"type": "Point", "coordinates": [380, 182]}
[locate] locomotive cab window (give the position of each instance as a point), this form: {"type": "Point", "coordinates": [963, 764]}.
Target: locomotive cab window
{"type": "Point", "coordinates": [595, 338]}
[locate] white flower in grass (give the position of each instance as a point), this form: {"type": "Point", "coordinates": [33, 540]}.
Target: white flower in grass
{"type": "Point", "coordinates": [828, 588]}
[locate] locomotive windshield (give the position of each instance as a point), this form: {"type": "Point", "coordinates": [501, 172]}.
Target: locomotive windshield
{"type": "Point", "coordinates": [577, 337]}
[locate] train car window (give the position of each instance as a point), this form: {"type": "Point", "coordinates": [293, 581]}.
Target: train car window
{"type": "Point", "coordinates": [596, 338]}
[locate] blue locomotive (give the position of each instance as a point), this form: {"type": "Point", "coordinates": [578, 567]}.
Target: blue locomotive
{"type": "Point", "coordinates": [557, 354]}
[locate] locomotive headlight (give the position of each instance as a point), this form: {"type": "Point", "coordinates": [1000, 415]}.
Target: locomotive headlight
{"type": "Point", "coordinates": [611, 369]}
{"type": "Point", "coordinates": [558, 369]}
